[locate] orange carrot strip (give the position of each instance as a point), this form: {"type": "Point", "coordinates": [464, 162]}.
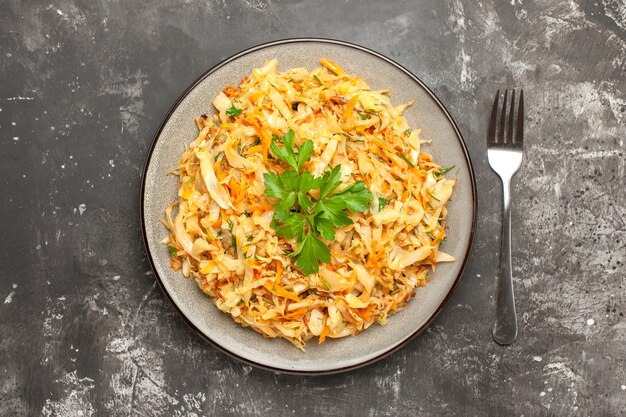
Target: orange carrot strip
{"type": "Point", "coordinates": [296, 314]}
{"type": "Point", "coordinates": [279, 271]}
{"type": "Point", "coordinates": [324, 333]}
{"type": "Point", "coordinates": [254, 97]}
{"type": "Point", "coordinates": [350, 107]}
{"type": "Point", "coordinates": [233, 186]}
{"type": "Point", "coordinates": [243, 185]}
{"type": "Point", "coordinates": [331, 66]}
{"type": "Point", "coordinates": [278, 290]}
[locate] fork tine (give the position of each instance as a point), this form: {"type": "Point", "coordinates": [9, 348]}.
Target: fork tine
{"type": "Point", "coordinates": [509, 133]}
{"type": "Point", "coordinates": [501, 138]}
{"type": "Point", "coordinates": [519, 131]}
{"type": "Point", "coordinates": [491, 132]}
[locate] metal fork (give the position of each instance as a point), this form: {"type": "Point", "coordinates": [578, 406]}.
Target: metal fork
{"type": "Point", "coordinates": [504, 152]}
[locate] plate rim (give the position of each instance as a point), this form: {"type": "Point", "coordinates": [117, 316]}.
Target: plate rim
{"type": "Point", "coordinates": [468, 161]}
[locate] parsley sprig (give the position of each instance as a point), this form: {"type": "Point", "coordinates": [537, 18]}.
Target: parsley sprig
{"type": "Point", "coordinates": [233, 111]}
{"type": "Point", "coordinates": [299, 215]}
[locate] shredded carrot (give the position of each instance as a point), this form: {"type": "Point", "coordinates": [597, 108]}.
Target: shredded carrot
{"type": "Point", "coordinates": [279, 271]}
{"type": "Point", "coordinates": [233, 185]}
{"type": "Point", "coordinates": [266, 138]}
{"type": "Point", "coordinates": [230, 90]}
{"type": "Point", "coordinates": [324, 333]}
{"type": "Point", "coordinates": [219, 174]}
{"type": "Point", "coordinates": [256, 96]}
{"type": "Point", "coordinates": [263, 206]}
{"type": "Point", "coordinates": [277, 289]}
{"type": "Point", "coordinates": [350, 107]}
{"type": "Point", "coordinates": [175, 264]}
{"type": "Point", "coordinates": [296, 314]}
{"type": "Point", "coordinates": [241, 191]}
{"type": "Point", "coordinates": [366, 313]}
{"type": "Point", "coordinates": [331, 66]}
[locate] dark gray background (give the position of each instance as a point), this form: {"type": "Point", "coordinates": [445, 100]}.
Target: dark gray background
{"type": "Point", "coordinates": [85, 330]}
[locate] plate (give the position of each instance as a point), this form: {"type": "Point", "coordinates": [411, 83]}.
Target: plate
{"type": "Point", "coordinates": [447, 148]}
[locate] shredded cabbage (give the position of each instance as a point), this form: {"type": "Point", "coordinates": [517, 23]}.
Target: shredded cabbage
{"type": "Point", "coordinates": [222, 234]}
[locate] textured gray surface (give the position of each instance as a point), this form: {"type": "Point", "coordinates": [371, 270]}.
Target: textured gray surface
{"type": "Point", "coordinates": [85, 330]}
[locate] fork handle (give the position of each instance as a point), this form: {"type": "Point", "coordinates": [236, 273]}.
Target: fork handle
{"type": "Point", "coordinates": [505, 323]}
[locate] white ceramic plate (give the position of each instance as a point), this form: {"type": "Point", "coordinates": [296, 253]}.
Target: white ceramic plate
{"type": "Point", "coordinates": [447, 148]}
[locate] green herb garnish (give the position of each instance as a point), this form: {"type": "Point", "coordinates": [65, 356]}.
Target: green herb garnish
{"type": "Point", "coordinates": [407, 160]}
{"type": "Point", "coordinates": [350, 138]}
{"type": "Point", "coordinates": [444, 170]}
{"type": "Point", "coordinates": [408, 132]}
{"type": "Point", "coordinates": [434, 198]}
{"type": "Point", "coordinates": [377, 114]}
{"type": "Point", "coordinates": [382, 202]}
{"type": "Point", "coordinates": [318, 79]}
{"type": "Point", "coordinates": [172, 250]}
{"type": "Point", "coordinates": [299, 216]}
{"type": "Point", "coordinates": [363, 116]}
{"type": "Point", "coordinates": [233, 111]}
{"type": "Point", "coordinates": [233, 240]}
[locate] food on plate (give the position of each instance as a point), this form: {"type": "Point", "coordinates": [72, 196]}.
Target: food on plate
{"type": "Point", "coordinates": [307, 207]}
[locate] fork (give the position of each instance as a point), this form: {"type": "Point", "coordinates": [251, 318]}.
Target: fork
{"type": "Point", "coordinates": [504, 152]}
